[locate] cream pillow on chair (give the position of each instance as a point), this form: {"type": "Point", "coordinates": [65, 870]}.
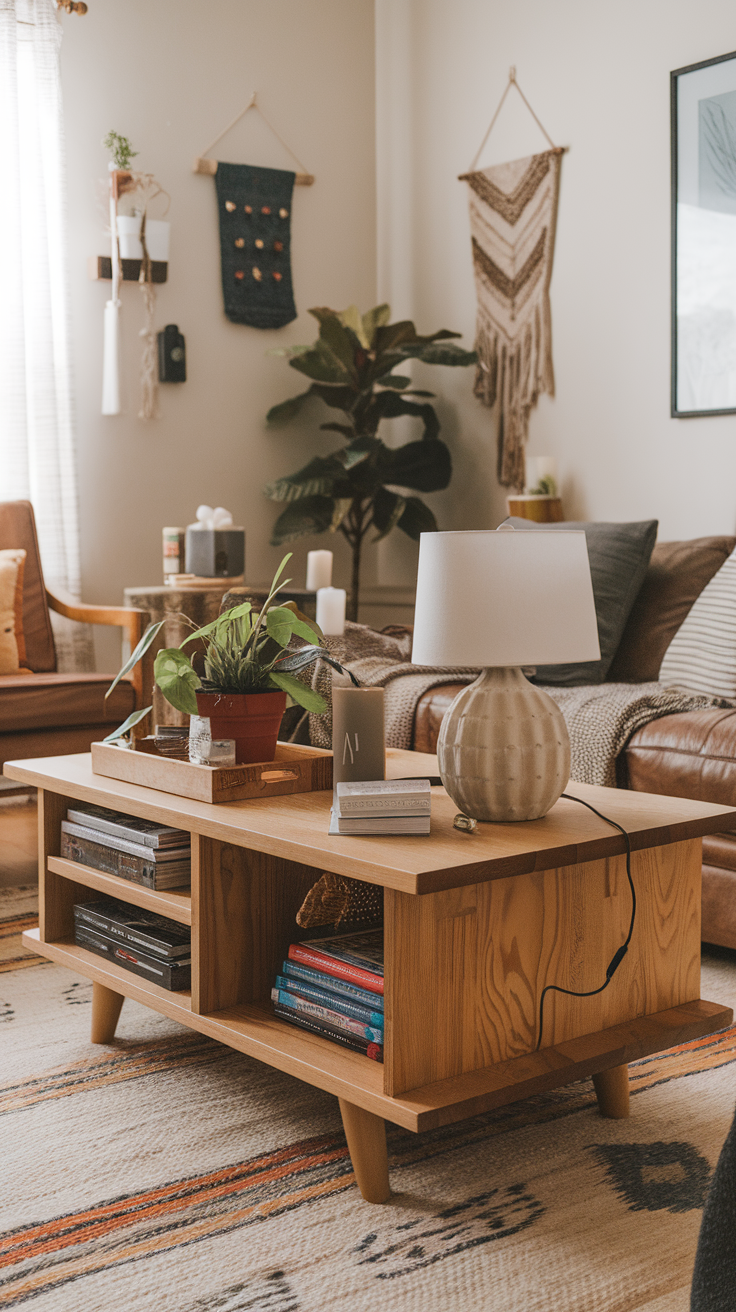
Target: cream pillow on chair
{"type": "Point", "coordinates": [12, 646]}
{"type": "Point", "coordinates": [702, 654]}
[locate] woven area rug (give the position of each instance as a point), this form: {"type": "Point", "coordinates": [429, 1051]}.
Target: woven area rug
{"type": "Point", "coordinates": [167, 1173]}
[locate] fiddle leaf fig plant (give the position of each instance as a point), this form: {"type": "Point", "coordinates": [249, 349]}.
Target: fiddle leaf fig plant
{"type": "Point", "coordinates": [246, 650]}
{"type": "Point", "coordinates": [364, 485]}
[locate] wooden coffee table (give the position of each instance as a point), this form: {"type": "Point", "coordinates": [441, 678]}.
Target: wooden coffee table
{"type": "Point", "coordinates": [475, 925]}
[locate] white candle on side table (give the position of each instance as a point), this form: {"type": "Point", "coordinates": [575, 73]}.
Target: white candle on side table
{"type": "Point", "coordinates": [331, 610]}
{"type": "Point", "coordinates": [319, 570]}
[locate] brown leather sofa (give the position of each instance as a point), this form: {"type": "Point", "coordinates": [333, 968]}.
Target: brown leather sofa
{"type": "Point", "coordinates": [692, 754]}
{"type": "Point", "coordinates": [44, 712]}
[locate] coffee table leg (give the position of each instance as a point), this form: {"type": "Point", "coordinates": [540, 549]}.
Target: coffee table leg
{"type": "Point", "coordinates": [612, 1092]}
{"type": "Point", "coordinates": [105, 1012]}
{"type": "Point", "coordinates": [366, 1136]}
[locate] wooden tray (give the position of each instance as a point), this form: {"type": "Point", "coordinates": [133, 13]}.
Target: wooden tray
{"type": "Point", "coordinates": [294, 770]}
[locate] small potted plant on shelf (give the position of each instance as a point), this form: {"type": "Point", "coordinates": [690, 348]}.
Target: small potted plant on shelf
{"type": "Point", "coordinates": [249, 671]}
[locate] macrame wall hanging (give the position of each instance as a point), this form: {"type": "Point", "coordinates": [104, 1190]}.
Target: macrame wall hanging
{"type": "Point", "coordinates": [254, 207]}
{"type": "Point", "coordinates": [513, 214]}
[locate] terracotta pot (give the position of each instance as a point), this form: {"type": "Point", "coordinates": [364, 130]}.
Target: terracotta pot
{"type": "Point", "coordinates": [251, 718]}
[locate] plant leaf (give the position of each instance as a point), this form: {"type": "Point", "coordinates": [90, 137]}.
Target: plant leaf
{"type": "Point", "coordinates": [340, 341]}
{"type": "Point", "coordinates": [340, 398]}
{"type": "Point", "coordinates": [149, 636]}
{"type": "Point", "coordinates": [133, 719]}
{"type": "Point", "coordinates": [234, 613]}
{"type": "Point", "coordinates": [388, 508]}
{"type": "Point", "coordinates": [301, 518]}
{"type": "Point", "coordinates": [342, 506]}
{"type": "Point", "coordinates": [285, 411]}
{"type": "Point", "coordinates": [397, 382]}
{"type": "Point", "coordinates": [346, 431]}
{"type": "Point", "coordinates": [280, 625]}
{"type": "Point", "coordinates": [315, 479]}
{"type": "Point", "coordinates": [373, 320]}
{"type": "Point", "coordinates": [352, 319]}
{"type": "Point", "coordinates": [302, 695]}
{"type": "Point", "coordinates": [391, 404]}
{"type": "Point", "coordinates": [417, 519]}
{"type": "Point", "coordinates": [176, 679]}
{"type": "Point", "coordinates": [425, 465]}
{"type": "Point", "coordinates": [321, 364]}
{"type": "Point", "coordinates": [305, 656]}
{"type": "Point", "coordinates": [440, 353]}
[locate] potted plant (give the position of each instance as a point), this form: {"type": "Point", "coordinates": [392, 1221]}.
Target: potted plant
{"type": "Point", "coordinates": [248, 673]}
{"type": "Point", "coordinates": [355, 488]}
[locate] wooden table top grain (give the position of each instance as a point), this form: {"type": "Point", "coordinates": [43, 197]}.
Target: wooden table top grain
{"type": "Point", "coordinates": [295, 828]}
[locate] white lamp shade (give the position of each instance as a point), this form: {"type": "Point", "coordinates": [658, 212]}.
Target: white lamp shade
{"type": "Point", "coordinates": [504, 598]}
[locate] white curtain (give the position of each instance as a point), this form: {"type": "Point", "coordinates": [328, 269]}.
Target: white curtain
{"type": "Point", "coordinates": [36, 414]}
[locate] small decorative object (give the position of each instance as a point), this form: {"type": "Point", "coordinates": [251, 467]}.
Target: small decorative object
{"type": "Point", "coordinates": [335, 899]}
{"type": "Point", "coordinates": [502, 600]}
{"type": "Point", "coordinates": [172, 740]}
{"type": "Point", "coordinates": [541, 476]}
{"type": "Point", "coordinates": [214, 547]}
{"type": "Point", "coordinates": [172, 358]}
{"type": "Point", "coordinates": [331, 610]}
{"type": "Point", "coordinates": [464, 823]}
{"type": "Point", "coordinates": [703, 100]}
{"type": "Point", "coordinates": [200, 739]}
{"type": "Point", "coordinates": [513, 214]}
{"type": "Point", "coordinates": [173, 544]}
{"type": "Point", "coordinates": [352, 489]}
{"type": "Point", "coordinates": [540, 501]}
{"type": "Point", "coordinates": [358, 735]}
{"type": "Point", "coordinates": [249, 670]}
{"type": "Point", "coordinates": [319, 570]}
{"type": "Point", "coordinates": [221, 752]}
{"type": "Point", "coordinates": [259, 301]}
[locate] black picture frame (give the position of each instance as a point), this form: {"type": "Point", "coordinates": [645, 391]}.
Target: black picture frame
{"type": "Point", "coordinates": [703, 155]}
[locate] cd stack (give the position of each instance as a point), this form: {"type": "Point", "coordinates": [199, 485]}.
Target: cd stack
{"type": "Point", "coordinates": [139, 941]}
{"type": "Point", "coordinates": [141, 851]}
{"type": "Point", "coordinates": [334, 987]}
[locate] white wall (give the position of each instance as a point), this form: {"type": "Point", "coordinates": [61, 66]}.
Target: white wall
{"type": "Point", "coordinates": [598, 77]}
{"type": "Point", "coordinates": [170, 75]}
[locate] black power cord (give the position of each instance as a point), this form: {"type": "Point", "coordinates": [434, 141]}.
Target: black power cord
{"type": "Point", "coordinates": [620, 953]}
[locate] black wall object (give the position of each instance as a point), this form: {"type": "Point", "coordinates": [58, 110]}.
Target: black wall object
{"type": "Point", "coordinates": [172, 359]}
{"type": "Point", "coordinates": [254, 206]}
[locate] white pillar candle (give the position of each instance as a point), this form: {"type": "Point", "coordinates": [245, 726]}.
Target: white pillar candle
{"type": "Point", "coordinates": [331, 609]}
{"type": "Point", "coordinates": [319, 570]}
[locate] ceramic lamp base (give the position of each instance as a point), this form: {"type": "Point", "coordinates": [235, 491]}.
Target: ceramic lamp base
{"type": "Point", "coordinates": [503, 748]}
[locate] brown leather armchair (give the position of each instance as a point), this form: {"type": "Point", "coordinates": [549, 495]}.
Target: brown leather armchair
{"type": "Point", "coordinates": [43, 712]}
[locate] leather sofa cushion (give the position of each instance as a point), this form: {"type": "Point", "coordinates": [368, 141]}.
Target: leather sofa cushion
{"type": "Point", "coordinates": [677, 574]}
{"type": "Point", "coordinates": [718, 924]}
{"type": "Point", "coordinates": [18, 529]}
{"type": "Point", "coordinates": [431, 708]}
{"type": "Point", "coordinates": [619, 555]}
{"type": "Point", "coordinates": [52, 701]}
{"type": "Point", "coordinates": [686, 755]}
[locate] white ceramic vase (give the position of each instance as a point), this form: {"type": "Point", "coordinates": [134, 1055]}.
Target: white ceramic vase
{"type": "Point", "coordinates": [503, 748]}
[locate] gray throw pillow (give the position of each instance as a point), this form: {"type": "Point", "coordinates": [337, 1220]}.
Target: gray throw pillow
{"type": "Point", "coordinates": [619, 556]}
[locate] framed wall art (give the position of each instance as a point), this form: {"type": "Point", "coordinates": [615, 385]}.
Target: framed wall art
{"type": "Point", "coordinates": [703, 100]}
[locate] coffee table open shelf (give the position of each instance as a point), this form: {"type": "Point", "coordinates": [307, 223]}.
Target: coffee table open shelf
{"type": "Point", "coordinates": [475, 925]}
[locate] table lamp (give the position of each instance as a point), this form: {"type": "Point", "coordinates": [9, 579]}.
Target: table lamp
{"type": "Point", "coordinates": [501, 600]}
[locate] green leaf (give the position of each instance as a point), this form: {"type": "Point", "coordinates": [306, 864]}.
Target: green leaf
{"type": "Point", "coordinates": [315, 479]}
{"type": "Point", "coordinates": [417, 519]}
{"type": "Point", "coordinates": [339, 398]}
{"type": "Point", "coordinates": [234, 613]}
{"type": "Point", "coordinates": [425, 465]}
{"type": "Point", "coordinates": [280, 625]}
{"type": "Point", "coordinates": [396, 381]}
{"type": "Point", "coordinates": [351, 318]}
{"type": "Point", "coordinates": [302, 518]}
{"type": "Point", "coordinates": [321, 364]}
{"type": "Point", "coordinates": [283, 413]}
{"type": "Point", "coordinates": [133, 719]}
{"type": "Point", "coordinates": [346, 431]}
{"type": "Point", "coordinates": [340, 341]}
{"type": "Point", "coordinates": [149, 636]}
{"type": "Point", "coordinates": [311, 625]}
{"type": "Point", "coordinates": [441, 353]}
{"type": "Point", "coordinates": [373, 320]}
{"type": "Point", "coordinates": [342, 506]}
{"type": "Point", "coordinates": [359, 451]}
{"type": "Point", "coordinates": [391, 404]}
{"type": "Point", "coordinates": [388, 508]}
{"type": "Point", "coordinates": [176, 679]}
{"type": "Point", "coordinates": [302, 695]}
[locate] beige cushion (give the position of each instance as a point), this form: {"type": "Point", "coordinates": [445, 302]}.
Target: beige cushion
{"type": "Point", "coordinates": [12, 647]}
{"type": "Point", "coordinates": [53, 701]}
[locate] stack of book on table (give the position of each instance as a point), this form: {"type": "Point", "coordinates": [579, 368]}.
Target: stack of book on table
{"type": "Point", "coordinates": [139, 941]}
{"type": "Point", "coordinates": [386, 806]}
{"type": "Point", "coordinates": [334, 987]}
{"type": "Point", "coordinates": [142, 851]}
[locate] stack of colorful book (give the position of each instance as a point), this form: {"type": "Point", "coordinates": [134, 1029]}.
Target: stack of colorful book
{"type": "Point", "coordinates": [141, 851]}
{"type": "Point", "coordinates": [139, 941]}
{"type": "Point", "coordinates": [383, 806]}
{"type": "Point", "coordinates": [334, 987]}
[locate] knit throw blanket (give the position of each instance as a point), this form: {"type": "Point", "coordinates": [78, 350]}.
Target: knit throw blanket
{"type": "Point", "coordinates": [513, 212]}
{"type": "Point", "coordinates": [600, 718]}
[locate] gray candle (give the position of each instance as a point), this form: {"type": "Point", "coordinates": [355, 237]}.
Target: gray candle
{"type": "Point", "coordinates": [358, 739]}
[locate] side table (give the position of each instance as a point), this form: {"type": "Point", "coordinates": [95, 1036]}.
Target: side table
{"type": "Point", "coordinates": [201, 605]}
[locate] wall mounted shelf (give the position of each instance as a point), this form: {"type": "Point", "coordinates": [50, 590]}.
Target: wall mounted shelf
{"type": "Point", "coordinates": [100, 269]}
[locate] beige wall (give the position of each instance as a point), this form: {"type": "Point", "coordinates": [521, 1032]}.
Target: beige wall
{"type": "Point", "coordinates": [598, 76]}
{"type": "Point", "coordinates": [170, 75]}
